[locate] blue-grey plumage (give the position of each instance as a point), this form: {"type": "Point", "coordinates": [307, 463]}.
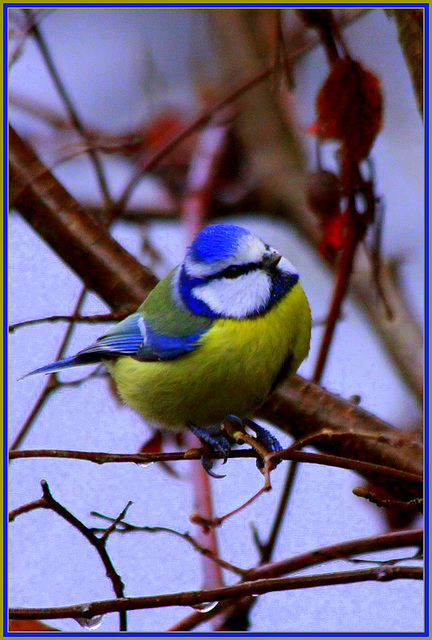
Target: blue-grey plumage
{"type": "Point", "coordinates": [213, 338]}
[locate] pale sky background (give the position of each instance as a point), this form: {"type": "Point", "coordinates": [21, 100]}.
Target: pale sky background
{"type": "Point", "coordinates": [100, 54]}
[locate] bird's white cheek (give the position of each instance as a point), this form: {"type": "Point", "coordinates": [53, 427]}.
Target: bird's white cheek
{"type": "Point", "coordinates": [238, 297]}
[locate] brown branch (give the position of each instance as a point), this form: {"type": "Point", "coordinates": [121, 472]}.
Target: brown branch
{"type": "Point", "coordinates": [40, 110]}
{"type": "Point", "coordinates": [266, 548]}
{"type": "Point", "coordinates": [409, 24]}
{"type": "Point", "coordinates": [127, 527]}
{"type": "Point", "coordinates": [339, 293]}
{"type": "Point", "coordinates": [52, 383]}
{"type": "Point", "coordinates": [401, 335]}
{"type": "Point", "coordinates": [413, 504]}
{"type": "Point", "coordinates": [207, 536]}
{"type": "Point", "coordinates": [70, 108]}
{"type": "Point", "coordinates": [26, 508]}
{"type": "Point", "coordinates": [189, 598]}
{"type": "Point", "coordinates": [86, 246]}
{"type": "Point", "coordinates": [93, 319]}
{"type": "Point", "coordinates": [339, 551]}
{"type": "Point", "coordinates": [302, 408]}
{"type": "Point", "coordinates": [99, 543]}
{"type": "Point", "coordinates": [365, 468]}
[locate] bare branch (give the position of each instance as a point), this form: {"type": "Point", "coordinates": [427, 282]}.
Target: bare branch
{"type": "Point", "coordinates": [94, 319]}
{"type": "Point", "coordinates": [189, 598]}
{"type": "Point", "coordinates": [410, 29]}
{"type": "Point", "coordinates": [52, 383]}
{"type": "Point", "coordinates": [85, 245]}
{"type": "Point", "coordinates": [71, 110]}
{"type": "Point", "coordinates": [339, 551]}
{"type": "Point", "coordinates": [126, 527]}
{"type": "Point", "coordinates": [360, 466]}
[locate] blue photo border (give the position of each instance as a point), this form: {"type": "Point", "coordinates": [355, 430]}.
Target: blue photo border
{"type": "Point", "coordinates": [425, 7]}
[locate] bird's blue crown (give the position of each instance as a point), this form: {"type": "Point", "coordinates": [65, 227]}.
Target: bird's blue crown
{"type": "Point", "coordinates": [216, 242]}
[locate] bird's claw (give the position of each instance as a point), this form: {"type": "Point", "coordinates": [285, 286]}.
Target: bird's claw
{"type": "Point", "coordinates": [216, 441]}
{"type": "Point", "coordinates": [268, 441]}
{"type": "Point", "coordinates": [207, 464]}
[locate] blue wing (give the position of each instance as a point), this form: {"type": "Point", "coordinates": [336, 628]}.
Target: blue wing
{"type": "Point", "coordinates": [131, 337]}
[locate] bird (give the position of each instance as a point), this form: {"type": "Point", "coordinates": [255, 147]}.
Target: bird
{"type": "Point", "coordinates": [211, 341]}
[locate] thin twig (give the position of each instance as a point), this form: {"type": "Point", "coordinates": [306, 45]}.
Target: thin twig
{"type": "Point", "coordinates": [204, 117]}
{"type": "Point", "coordinates": [52, 382]}
{"type": "Point", "coordinates": [127, 527]}
{"type": "Point", "coordinates": [93, 319]}
{"type": "Point", "coordinates": [266, 549]}
{"type": "Point", "coordinates": [189, 598]}
{"type": "Point", "coordinates": [26, 508]}
{"type": "Point", "coordinates": [339, 551]}
{"type": "Point", "coordinates": [414, 504]}
{"type": "Point", "coordinates": [98, 372]}
{"type": "Point", "coordinates": [70, 108]}
{"type": "Point", "coordinates": [98, 543]}
{"type": "Point", "coordinates": [286, 454]}
{"type": "Point", "coordinates": [343, 277]}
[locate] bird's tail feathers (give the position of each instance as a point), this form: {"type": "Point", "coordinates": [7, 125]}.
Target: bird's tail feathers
{"type": "Point", "coordinates": [66, 363]}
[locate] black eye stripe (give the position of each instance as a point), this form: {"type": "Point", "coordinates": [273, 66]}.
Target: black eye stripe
{"type": "Point", "coordinates": [236, 270]}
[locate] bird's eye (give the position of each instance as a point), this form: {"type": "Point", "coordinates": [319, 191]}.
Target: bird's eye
{"type": "Point", "coordinates": [233, 271]}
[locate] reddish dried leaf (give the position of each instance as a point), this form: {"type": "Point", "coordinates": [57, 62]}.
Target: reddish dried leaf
{"type": "Point", "coordinates": [161, 128]}
{"type": "Point", "coordinates": [333, 237]}
{"type": "Point", "coordinates": [349, 107]}
{"type": "Point", "coordinates": [153, 444]}
{"type": "Point", "coordinates": [29, 625]}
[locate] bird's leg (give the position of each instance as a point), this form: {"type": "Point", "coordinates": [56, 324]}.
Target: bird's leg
{"type": "Point", "coordinates": [213, 438]}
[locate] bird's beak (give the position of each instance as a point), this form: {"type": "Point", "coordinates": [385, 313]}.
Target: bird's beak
{"type": "Point", "coordinates": [272, 259]}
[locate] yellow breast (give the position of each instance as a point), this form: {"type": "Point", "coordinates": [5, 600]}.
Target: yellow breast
{"type": "Point", "coordinates": [231, 372]}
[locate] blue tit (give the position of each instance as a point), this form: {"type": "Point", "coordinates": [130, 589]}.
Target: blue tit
{"type": "Point", "coordinates": [213, 339]}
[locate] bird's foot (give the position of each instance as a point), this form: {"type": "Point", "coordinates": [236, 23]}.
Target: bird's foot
{"type": "Point", "coordinates": [267, 440]}
{"type": "Point", "coordinates": [263, 443]}
{"type": "Point", "coordinates": [214, 439]}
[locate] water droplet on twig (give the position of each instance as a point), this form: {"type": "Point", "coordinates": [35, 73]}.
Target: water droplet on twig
{"type": "Point", "coordinates": [204, 607]}
{"type": "Point", "coordinates": [89, 623]}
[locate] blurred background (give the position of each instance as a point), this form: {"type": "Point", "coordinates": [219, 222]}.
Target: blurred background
{"type": "Point", "coordinates": [136, 76]}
